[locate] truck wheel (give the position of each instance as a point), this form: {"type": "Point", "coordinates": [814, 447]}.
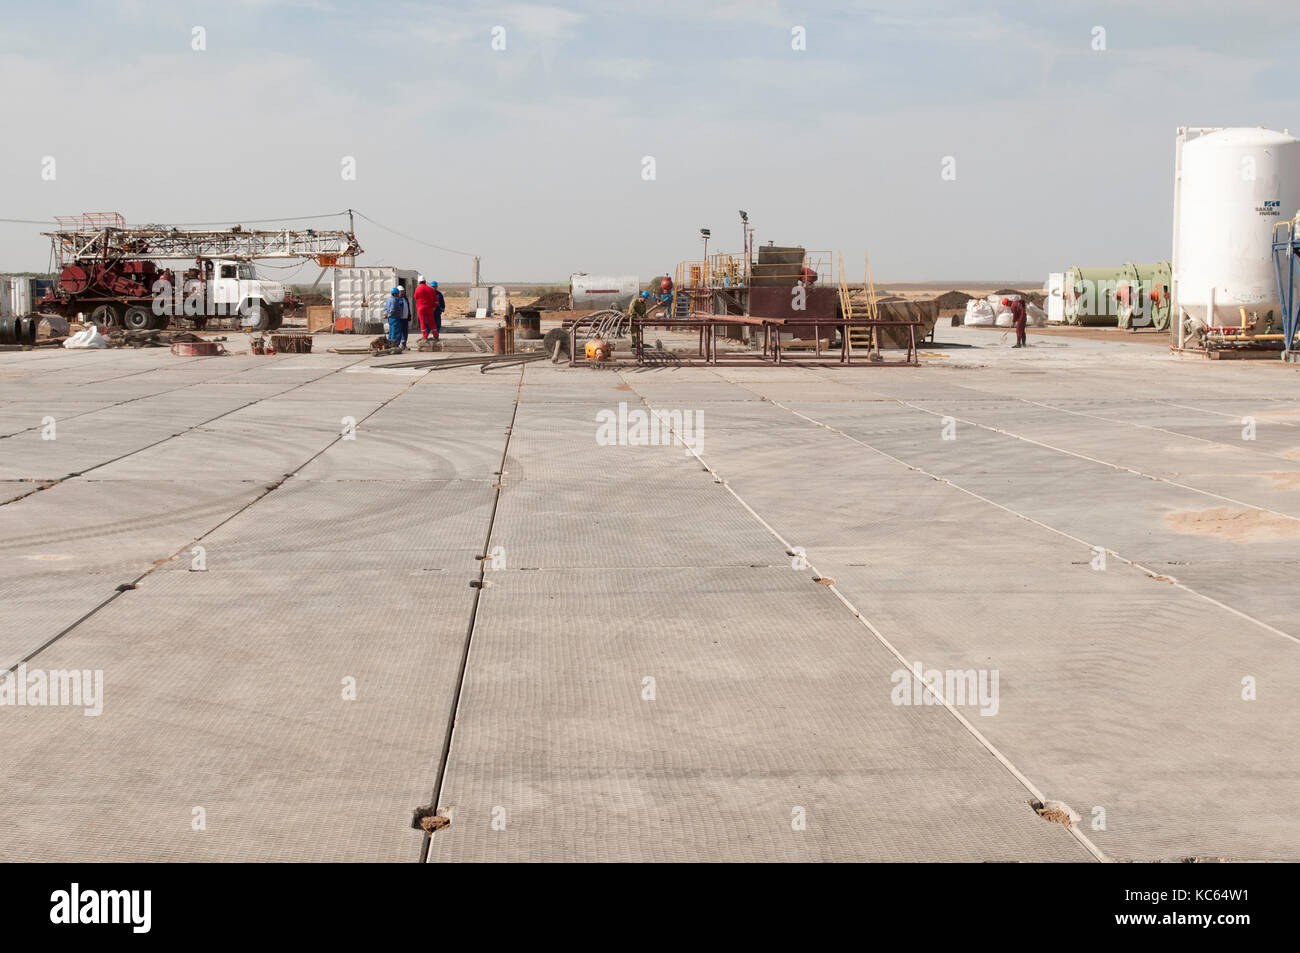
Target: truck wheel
{"type": "Point", "coordinates": [276, 313]}
{"type": "Point", "coordinates": [137, 318]}
{"type": "Point", "coordinates": [106, 315]}
{"type": "Point", "coordinates": [255, 316]}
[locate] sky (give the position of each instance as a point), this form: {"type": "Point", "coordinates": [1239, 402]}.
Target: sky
{"type": "Point", "coordinates": [833, 124]}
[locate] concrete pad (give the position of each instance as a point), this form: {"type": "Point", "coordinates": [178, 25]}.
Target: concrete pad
{"type": "Point", "coordinates": [756, 720]}
{"type": "Point", "coordinates": [1162, 695]}
{"type": "Point", "coordinates": [211, 704]}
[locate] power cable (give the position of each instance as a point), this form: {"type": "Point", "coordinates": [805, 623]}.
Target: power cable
{"type": "Point", "coordinates": [412, 238]}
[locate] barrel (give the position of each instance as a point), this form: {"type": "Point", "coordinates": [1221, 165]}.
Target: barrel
{"type": "Point", "coordinates": [499, 339]}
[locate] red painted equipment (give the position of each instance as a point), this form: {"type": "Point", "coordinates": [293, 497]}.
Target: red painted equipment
{"type": "Point", "coordinates": [198, 348]}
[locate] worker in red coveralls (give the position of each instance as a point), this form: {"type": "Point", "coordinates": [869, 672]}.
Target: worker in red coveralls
{"type": "Point", "coordinates": [1017, 306]}
{"type": "Point", "coordinates": [426, 304]}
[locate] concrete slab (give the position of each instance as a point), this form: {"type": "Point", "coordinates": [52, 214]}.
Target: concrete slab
{"type": "Point", "coordinates": [1163, 695]}
{"type": "Point", "coordinates": [769, 706]}
{"type": "Point", "coordinates": [225, 701]}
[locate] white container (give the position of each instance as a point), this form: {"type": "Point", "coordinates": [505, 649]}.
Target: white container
{"type": "Point", "coordinates": [592, 292]}
{"type": "Point", "coordinates": [1056, 297]}
{"type": "Point", "coordinates": [1231, 187]}
{"type": "Point", "coordinates": [359, 293]}
{"type": "Point", "coordinates": [15, 297]}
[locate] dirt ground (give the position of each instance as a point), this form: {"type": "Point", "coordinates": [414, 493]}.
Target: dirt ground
{"type": "Point", "coordinates": [1236, 526]}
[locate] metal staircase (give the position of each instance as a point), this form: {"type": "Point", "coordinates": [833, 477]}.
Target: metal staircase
{"type": "Point", "coordinates": [1286, 267]}
{"type": "Point", "coordinates": [860, 303]}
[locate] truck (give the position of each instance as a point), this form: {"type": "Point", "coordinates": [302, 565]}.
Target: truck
{"type": "Point", "coordinates": [113, 275]}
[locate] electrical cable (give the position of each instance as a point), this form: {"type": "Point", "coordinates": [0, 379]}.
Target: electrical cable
{"type": "Point", "coordinates": [412, 238]}
{"type": "Point", "coordinates": [257, 221]}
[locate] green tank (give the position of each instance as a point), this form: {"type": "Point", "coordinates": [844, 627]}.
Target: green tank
{"type": "Point", "coordinates": [1090, 295]}
{"type": "Point", "coordinates": [1142, 298]}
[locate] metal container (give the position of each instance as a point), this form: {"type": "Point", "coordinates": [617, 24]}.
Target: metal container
{"type": "Point", "coordinates": [778, 266]}
{"type": "Point", "coordinates": [480, 297]}
{"type": "Point", "coordinates": [1142, 298]}
{"type": "Point", "coordinates": [292, 343]}
{"type": "Point", "coordinates": [1231, 186]}
{"type": "Point", "coordinates": [594, 292]}
{"type": "Point", "coordinates": [359, 294]}
{"type": "Point", "coordinates": [16, 296]}
{"type": "Point", "coordinates": [1090, 295]}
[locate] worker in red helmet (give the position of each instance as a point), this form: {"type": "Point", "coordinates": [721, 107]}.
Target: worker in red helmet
{"type": "Point", "coordinates": [665, 289]}
{"type": "Point", "coordinates": [426, 303]}
{"type": "Point", "coordinates": [1017, 306]}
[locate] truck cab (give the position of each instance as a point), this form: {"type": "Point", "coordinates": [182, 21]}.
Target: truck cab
{"type": "Point", "coordinates": [234, 284]}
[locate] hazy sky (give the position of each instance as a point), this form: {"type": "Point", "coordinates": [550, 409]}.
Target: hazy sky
{"type": "Point", "coordinates": [531, 156]}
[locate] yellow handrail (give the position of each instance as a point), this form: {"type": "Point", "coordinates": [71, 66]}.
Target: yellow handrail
{"type": "Point", "coordinates": [846, 302]}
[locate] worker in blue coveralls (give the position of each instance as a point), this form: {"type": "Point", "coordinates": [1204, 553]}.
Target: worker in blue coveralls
{"type": "Point", "coordinates": [399, 319]}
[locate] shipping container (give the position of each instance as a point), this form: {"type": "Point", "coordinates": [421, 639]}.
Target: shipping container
{"type": "Point", "coordinates": [359, 294]}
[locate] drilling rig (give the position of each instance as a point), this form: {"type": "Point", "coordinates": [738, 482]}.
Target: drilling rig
{"type": "Point", "coordinates": [115, 274]}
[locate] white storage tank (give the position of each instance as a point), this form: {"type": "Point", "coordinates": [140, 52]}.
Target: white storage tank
{"type": "Point", "coordinates": [591, 292]}
{"type": "Point", "coordinates": [359, 294]}
{"type": "Point", "coordinates": [1231, 187]}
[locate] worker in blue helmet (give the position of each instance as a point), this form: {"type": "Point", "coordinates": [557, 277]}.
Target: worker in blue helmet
{"type": "Point", "coordinates": [439, 307]}
{"type": "Point", "coordinates": [637, 308]}
{"type": "Point", "coordinates": [399, 317]}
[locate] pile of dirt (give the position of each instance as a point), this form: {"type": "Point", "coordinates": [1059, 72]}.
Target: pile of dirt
{"type": "Point", "coordinates": [951, 300]}
{"type": "Point", "coordinates": [552, 301]}
{"type": "Point", "coordinates": [1033, 297]}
